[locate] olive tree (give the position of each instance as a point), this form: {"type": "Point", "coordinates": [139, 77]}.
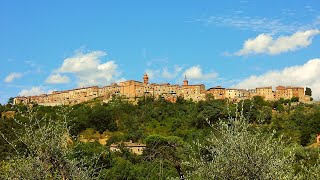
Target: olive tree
{"type": "Point", "coordinates": [165, 148]}
{"type": "Point", "coordinates": [311, 172]}
{"type": "Point", "coordinates": [48, 152]}
{"type": "Point", "coordinates": [234, 150]}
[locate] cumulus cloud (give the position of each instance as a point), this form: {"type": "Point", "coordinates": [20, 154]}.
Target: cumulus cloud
{"type": "Point", "coordinates": [306, 75]}
{"type": "Point", "coordinates": [89, 69]}
{"type": "Point", "coordinates": [82, 62]}
{"type": "Point", "coordinates": [36, 90]}
{"type": "Point", "coordinates": [195, 73]}
{"type": "Point", "coordinates": [177, 74]}
{"type": "Point", "coordinates": [12, 76]}
{"type": "Point", "coordinates": [152, 74]}
{"type": "Point", "coordinates": [266, 44]}
{"type": "Point", "coordinates": [164, 73]}
{"type": "Point", "coordinates": [57, 79]}
{"type": "Point", "coordinates": [171, 74]}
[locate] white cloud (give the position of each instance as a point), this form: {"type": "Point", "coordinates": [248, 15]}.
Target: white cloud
{"type": "Point", "coordinates": [12, 76]}
{"type": "Point", "coordinates": [164, 73]}
{"type": "Point", "coordinates": [258, 24]}
{"type": "Point", "coordinates": [171, 74]}
{"type": "Point", "coordinates": [57, 79]}
{"type": "Point", "coordinates": [51, 90]}
{"type": "Point", "coordinates": [195, 73]}
{"type": "Point", "coordinates": [82, 62]}
{"type": "Point", "coordinates": [306, 75]}
{"type": "Point", "coordinates": [264, 43]}
{"type": "Point", "coordinates": [36, 90]}
{"type": "Point", "coordinates": [89, 70]}
{"type": "Point", "coordinates": [152, 74]}
{"type": "Point", "coordinates": [261, 24]}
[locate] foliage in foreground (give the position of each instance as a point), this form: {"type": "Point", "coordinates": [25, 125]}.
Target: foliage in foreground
{"type": "Point", "coordinates": [235, 151]}
{"type": "Point", "coordinates": [47, 153]}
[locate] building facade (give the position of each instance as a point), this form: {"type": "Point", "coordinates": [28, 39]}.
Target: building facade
{"type": "Point", "coordinates": [133, 90]}
{"type": "Point", "coordinates": [136, 148]}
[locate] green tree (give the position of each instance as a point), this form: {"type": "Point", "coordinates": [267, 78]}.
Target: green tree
{"type": "Point", "coordinates": [10, 100]}
{"type": "Point", "coordinates": [78, 119]}
{"type": "Point", "coordinates": [47, 154]}
{"type": "Point", "coordinates": [1, 108]}
{"type": "Point", "coordinates": [165, 148]}
{"type": "Point", "coordinates": [308, 91]}
{"type": "Point", "coordinates": [280, 108]}
{"type": "Point", "coordinates": [295, 99]}
{"type": "Point", "coordinates": [210, 111]}
{"type": "Point", "coordinates": [235, 151]}
{"type": "Point", "coordinates": [101, 120]}
{"type": "Point", "coordinates": [265, 115]}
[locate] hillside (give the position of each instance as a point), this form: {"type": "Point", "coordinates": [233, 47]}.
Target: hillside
{"type": "Point", "coordinates": [182, 123]}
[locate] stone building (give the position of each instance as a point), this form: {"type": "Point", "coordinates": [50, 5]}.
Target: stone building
{"type": "Point", "coordinates": [131, 90]}
{"type": "Point", "coordinates": [236, 95]}
{"type": "Point", "coordinates": [232, 94]}
{"type": "Point", "coordinates": [8, 115]}
{"type": "Point", "coordinates": [252, 92]}
{"type": "Point", "coordinates": [68, 97]}
{"type": "Point", "coordinates": [297, 92]}
{"type": "Point", "coordinates": [265, 92]}
{"type": "Point", "coordinates": [243, 94]}
{"type": "Point", "coordinates": [136, 148]}
{"type": "Point", "coordinates": [281, 92]}
{"type": "Point", "coordinates": [289, 92]}
{"type": "Point", "coordinates": [195, 92]}
{"type": "Point", "coordinates": [128, 89]}
{"type": "Point", "coordinates": [217, 92]}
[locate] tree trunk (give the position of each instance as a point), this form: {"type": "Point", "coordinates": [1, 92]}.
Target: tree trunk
{"type": "Point", "coordinates": [178, 168]}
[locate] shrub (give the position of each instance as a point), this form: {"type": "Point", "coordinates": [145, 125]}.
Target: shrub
{"type": "Point", "coordinates": [236, 151]}
{"type": "Point", "coordinates": [48, 152]}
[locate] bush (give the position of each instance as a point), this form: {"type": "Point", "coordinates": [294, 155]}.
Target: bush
{"type": "Point", "coordinates": [48, 152]}
{"type": "Point", "coordinates": [236, 151]}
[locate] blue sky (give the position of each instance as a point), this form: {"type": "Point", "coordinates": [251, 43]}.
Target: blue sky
{"type": "Point", "coordinates": [57, 45]}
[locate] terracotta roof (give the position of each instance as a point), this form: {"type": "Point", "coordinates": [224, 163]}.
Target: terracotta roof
{"type": "Point", "coordinates": [161, 84]}
{"type": "Point", "coordinates": [217, 87]}
{"type": "Point", "coordinates": [293, 87]}
{"type": "Point", "coordinates": [267, 87]}
{"type": "Point", "coordinates": [195, 85]}
{"type": "Point", "coordinates": [133, 81]}
{"type": "Point", "coordinates": [128, 144]}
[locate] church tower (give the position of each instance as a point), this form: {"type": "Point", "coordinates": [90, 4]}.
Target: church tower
{"type": "Point", "coordinates": [145, 79]}
{"type": "Point", "coordinates": [185, 81]}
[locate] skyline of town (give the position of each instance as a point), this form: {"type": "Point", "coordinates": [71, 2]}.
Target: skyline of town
{"type": "Point", "coordinates": [132, 90]}
{"type": "Point", "coordinates": [185, 78]}
{"type": "Point", "coordinates": [243, 44]}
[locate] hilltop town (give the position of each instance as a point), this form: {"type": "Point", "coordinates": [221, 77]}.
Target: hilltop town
{"type": "Point", "coordinates": [132, 90]}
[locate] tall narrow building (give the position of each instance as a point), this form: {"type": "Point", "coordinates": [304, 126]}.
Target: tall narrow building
{"type": "Point", "coordinates": [145, 79]}
{"type": "Point", "coordinates": [185, 81]}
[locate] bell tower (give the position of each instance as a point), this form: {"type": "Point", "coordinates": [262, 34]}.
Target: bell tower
{"type": "Point", "coordinates": [185, 81]}
{"type": "Point", "coordinates": [145, 79]}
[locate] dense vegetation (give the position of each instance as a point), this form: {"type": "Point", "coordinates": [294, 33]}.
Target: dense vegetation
{"type": "Point", "coordinates": [212, 139]}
